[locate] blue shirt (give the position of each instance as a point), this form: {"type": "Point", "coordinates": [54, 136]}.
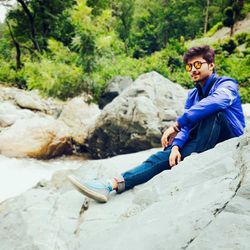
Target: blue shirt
{"type": "Point", "coordinates": [223, 96]}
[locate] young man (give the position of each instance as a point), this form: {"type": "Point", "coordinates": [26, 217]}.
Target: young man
{"type": "Point", "coordinates": [213, 113]}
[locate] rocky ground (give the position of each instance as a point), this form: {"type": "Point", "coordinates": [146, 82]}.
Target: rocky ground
{"type": "Point", "coordinates": [203, 203]}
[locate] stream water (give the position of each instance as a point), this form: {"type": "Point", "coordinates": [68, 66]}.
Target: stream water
{"type": "Point", "coordinates": [19, 175]}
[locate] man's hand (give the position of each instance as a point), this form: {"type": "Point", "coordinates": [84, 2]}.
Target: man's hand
{"type": "Point", "coordinates": [168, 136]}
{"type": "Point", "coordinates": [175, 156]}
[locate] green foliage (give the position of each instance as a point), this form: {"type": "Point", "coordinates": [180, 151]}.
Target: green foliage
{"type": "Point", "coordinates": [167, 62]}
{"type": "Point", "coordinates": [242, 38]}
{"type": "Point", "coordinates": [245, 94]}
{"type": "Point", "coordinates": [229, 46]}
{"type": "Point", "coordinates": [50, 19]}
{"type": "Point", "coordinates": [237, 67]}
{"type": "Point", "coordinates": [98, 6]}
{"type": "Point", "coordinates": [123, 10]}
{"type": "Point", "coordinates": [147, 37]}
{"type": "Point", "coordinates": [54, 78]}
{"type": "Point", "coordinates": [7, 73]}
{"type": "Point", "coordinates": [5, 46]}
{"type": "Point", "coordinates": [214, 29]}
{"type": "Point", "coordinates": [61, 53]}
{"type": "Point", "coordinates": [56, 74]}
{"type": "Point", "coordinates": [233, 13]}
{"type": "Point", "coordinates": [246, 9]}
{"type": "Point", "coordinates": [229, 17]}
{"type": "Point", "coordinates": [84, 43]}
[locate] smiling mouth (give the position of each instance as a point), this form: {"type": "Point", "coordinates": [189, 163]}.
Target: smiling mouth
{"type": "Point", "coordinates": [194, 75]}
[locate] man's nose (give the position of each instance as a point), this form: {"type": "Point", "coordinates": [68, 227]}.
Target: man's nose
{"type": "Point", "coordinates": [193, 69]}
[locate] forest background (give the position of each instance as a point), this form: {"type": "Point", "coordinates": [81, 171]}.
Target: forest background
{"type": "Point", "coordinates": [65, 47]}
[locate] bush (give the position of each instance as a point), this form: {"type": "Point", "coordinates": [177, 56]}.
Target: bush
{"type": "Point", "coordinates": [54, 78]}
{"type": "Point", "coordinates": [229, 45]}
{"type": "Point", "coordinates": [7, 73]}
{"type": "Point", "coordinates": [238, 68]}
{"type": "Point", "coordinates": [248, 41]}
{"type": "Point", "coordinates": [245, 94]}
{"type": "Point", "coordinates": [241, 38]}
{"type": "Point", "coordinates": [214, 29]}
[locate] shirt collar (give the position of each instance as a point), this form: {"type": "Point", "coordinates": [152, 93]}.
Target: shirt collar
{"type": "Point", "coordinates": [207, 83]}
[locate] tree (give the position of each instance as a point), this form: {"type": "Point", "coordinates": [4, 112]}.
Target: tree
{"type": "Point", "coordinates": [31, 22]}
{"type": "Point", "coordinates": [232, 14]}
{"type": "Point", "coordinates": [206, 17]}
{"type": "Point", "coordinates": [124, 10]}
{"type": "Point", "coordinates": [45, 19]}
{"type": "Point", "coordinates": [98, 5]}
{"type": "Point", "coordinates": [17, 46]}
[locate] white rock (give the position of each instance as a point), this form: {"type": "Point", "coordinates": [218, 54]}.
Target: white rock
{"type": "Point", "coordinates": [30, 101]}
{"type": "Point", "coordinates": [35, 137]}
{"type": "Point", "coordinates": [9, 113]}
{"type": "Point", "coordinates": [78, 115]}
{"type": "Point", "coordinates": [200, 204]}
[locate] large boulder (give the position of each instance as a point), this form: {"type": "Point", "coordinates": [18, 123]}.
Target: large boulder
{"type": "Point", "coordinates": [78, 116]}
{"type": "Point", "coordinates": [114, 88]}
{"type": "Point", "coordinates": [36, 137]}
{"type": "Point", "coordinates": [203, 203]}
{"type": "Point", "coordinates": [30, 100]}
{"type": "Point", "coordinates": [58, 124]}
{"type": "Point", "coordinates": [9, 114]}
{"type": "Point", "coordinates": [134, 121]}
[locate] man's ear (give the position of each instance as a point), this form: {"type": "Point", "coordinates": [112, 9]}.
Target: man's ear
{"type": "Point", "coordinates": [211, 66]}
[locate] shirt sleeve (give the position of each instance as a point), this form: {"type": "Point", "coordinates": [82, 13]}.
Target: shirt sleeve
{"type": "Point", "coordinates": [182, 136]}
{"type": "Point", "coordinates": [220, 99]}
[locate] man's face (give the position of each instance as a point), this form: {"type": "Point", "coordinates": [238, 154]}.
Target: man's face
{"type": "Point", "coordinates": [199, 69]}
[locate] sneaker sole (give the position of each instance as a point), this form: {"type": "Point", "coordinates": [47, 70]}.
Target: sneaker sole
{"type": "Point", "coordinates": [86, 191]}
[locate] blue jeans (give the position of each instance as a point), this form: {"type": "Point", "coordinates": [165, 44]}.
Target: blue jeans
{"type": "Point", "coordinates": [205, 135]}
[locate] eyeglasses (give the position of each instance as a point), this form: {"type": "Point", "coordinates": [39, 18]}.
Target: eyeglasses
{"type": "Point", "coordinates": [197, 65]}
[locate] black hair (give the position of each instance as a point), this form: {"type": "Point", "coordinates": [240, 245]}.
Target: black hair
{"type": "Point", "coordinates": [205, 52]}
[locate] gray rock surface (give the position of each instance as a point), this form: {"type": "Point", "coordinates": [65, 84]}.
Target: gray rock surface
{"type": "Point", "coordinates": [203, 203]}
{"type": "Point", "coordinates": [78, 116]}
{"type": "Point", "coordinates": [114, 88]}
{"type": "Point", "coordinates": [30, 100]}
{"type": "Point", "coordinates": [9, 114]}
{"type": "Point", "coordinates": [134, 120]}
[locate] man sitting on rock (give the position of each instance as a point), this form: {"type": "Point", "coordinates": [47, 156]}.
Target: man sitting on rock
{"type": "Point", "coordinates": [213, 113]}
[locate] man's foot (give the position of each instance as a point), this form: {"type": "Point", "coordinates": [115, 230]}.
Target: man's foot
{"type": "Point", "coordinates": [95, 189]}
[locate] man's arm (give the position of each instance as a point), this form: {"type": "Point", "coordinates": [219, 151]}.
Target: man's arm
{"type": "Point", "coordinates": [174, 131]}
{"type": "Point", "coordinates": [169, 135]}
{"type": "Point", "coordinates": [175, 156]}
{"type": "Point", "coordinates": [222, 98]}
{"type": "Point", "coordinates": [176, 136]}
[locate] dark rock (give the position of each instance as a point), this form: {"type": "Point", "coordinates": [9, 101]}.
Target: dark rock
{"type": "Point", "coordinates": [134, 120]}
{"type": "Point", "coordinates": [113, 89]}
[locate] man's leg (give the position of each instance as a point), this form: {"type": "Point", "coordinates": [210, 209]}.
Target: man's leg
{"type": "Point", "coordinates": [154, 165]}
{"type": "Point", "coordinates": [99, 191]}
{"type": "Point", "coordinates": [212, 130]}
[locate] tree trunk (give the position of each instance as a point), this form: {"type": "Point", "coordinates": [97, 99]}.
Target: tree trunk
{"type": "Point", "coordinates": [17, 46]}
{"type": "Point", "coordinates": [231, 30]}
{"type": "Point", "coordinates": [206, 17]}
{"type": "Point", "coordinates": [45, 24]}
{"type": "Point", "coordinates": [32, 24]}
